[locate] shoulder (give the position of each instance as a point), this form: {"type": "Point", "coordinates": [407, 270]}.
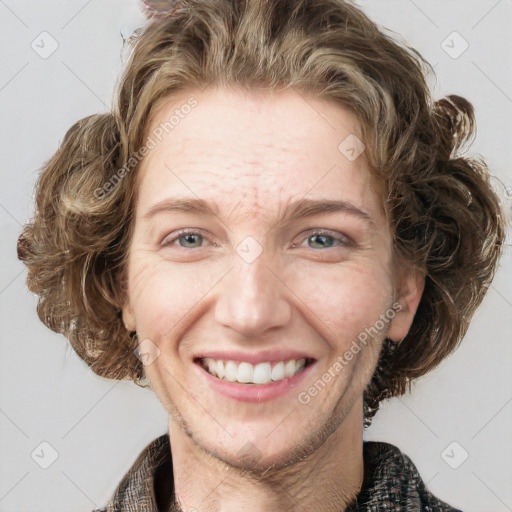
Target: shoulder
{"type": "Point", "coordinates": [392, 479]}
{"type": "Point", "coordinates": [136, 490]}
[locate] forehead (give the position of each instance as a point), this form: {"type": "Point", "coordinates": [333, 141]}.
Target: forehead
{"type": "Point", "coordinates": [256, 149]}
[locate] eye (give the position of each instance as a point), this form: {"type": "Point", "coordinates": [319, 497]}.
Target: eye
{"type": "Point", "coordinates": [326, 239]}
{"type": "Point", "coordinates": [189, 237]}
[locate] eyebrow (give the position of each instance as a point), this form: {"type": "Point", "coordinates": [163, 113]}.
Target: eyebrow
{"type": "Point", "coordinates": [299, 209]}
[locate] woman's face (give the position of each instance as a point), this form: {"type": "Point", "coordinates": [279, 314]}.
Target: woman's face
{"type": "Point", "coordinates": [249, 280]}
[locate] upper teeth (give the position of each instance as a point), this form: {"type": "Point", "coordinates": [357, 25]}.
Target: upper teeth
{"type": "Point", "coordinates": [244, 372]}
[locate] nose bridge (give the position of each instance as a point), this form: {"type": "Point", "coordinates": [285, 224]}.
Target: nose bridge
{"type": "Point", "coordinates": [252, 299]}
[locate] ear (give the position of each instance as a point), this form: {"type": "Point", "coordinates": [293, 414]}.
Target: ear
{"type": "Point", "coordinates": [128, 318]}
{"type": "Point", "coordinates": [411, 284]}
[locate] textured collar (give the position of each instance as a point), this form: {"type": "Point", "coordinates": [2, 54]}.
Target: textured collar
{"type": "Point", "coordinates": [391, 482]}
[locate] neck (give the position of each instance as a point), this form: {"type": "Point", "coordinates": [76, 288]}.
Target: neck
{"type": "Point", "coordinates": [328, 480]}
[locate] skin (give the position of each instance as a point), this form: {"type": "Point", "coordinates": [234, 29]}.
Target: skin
{"type": "Point", "coordinates": [250, 153]}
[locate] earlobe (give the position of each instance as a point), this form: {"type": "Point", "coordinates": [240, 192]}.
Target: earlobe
{"type": "Point", "coordinates": [409, 295]}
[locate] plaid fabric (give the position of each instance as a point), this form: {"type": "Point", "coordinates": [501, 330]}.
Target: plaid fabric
{"type": "Point", "coordinates": [391, 483]}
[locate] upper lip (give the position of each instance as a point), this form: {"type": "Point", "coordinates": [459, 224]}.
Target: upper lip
{"type": "Point", "coordinates": [255, 358]}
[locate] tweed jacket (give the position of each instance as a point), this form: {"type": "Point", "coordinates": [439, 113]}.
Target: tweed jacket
{"type": "Point", "coordinates": [391, 483]}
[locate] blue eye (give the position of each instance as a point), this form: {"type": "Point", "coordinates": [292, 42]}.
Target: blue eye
{"type": "Point", "coordinates": [324, 240]}
{"type": "Point", "coordinates": [187, 238]}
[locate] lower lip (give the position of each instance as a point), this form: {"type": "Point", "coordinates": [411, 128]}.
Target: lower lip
{"type": "Point", "coordinates": [254, 392]}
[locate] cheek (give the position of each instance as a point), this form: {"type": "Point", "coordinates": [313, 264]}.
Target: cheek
{"type": "Point", "coordinates": [346, 299]}
{"type": "Point", "coordinates": [338, 300]}
{"type": "Point", "coordinates": [163, 295]}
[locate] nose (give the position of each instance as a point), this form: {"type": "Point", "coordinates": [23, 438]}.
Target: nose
{"type": "Point", "coordinates": [252, 299]}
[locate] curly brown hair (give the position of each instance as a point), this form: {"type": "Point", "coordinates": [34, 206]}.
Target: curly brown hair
{"type": "Point", "coordinates": [444, 215]}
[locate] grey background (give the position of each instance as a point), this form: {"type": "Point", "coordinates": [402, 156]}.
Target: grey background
{"type": "Point", "coordinates": [97, 427]}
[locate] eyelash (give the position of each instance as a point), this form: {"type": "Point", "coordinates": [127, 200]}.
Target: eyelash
{"type": "Point", "coordinates": [343, 240]}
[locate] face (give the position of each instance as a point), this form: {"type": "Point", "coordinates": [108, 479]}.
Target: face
{"type": "Point", "coordinates": [252, 278]}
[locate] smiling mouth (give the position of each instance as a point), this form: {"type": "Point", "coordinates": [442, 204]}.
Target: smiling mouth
{"type": "Point", "coordinates": [259, 374]}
